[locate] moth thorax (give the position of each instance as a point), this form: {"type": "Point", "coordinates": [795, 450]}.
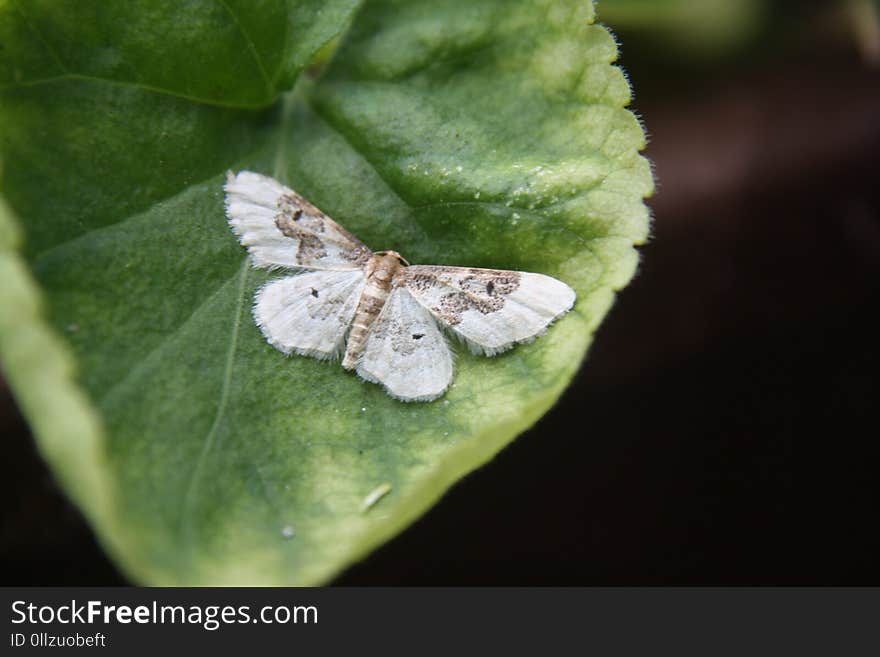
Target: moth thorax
{"type": "Point", "coordinates": [382, 267]}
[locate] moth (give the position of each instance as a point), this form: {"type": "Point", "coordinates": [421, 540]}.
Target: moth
{"type": "Point", "coordinates": [386, 318]}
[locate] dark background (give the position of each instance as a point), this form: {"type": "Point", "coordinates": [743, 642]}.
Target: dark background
{"type": "Point", "coordinates": [724, 427]}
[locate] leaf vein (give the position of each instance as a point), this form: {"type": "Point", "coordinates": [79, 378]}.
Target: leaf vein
{"type": "Point", "coordinates": [81, 77]}
{"type": "Point", "coordinates": [252, 46]}
{"type": "Point", "coordinates": [52, 52]}
{"type": "Point", "coordinates": [211, 435]}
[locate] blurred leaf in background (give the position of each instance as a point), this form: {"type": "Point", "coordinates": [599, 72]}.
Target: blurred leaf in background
{"type": "Point", "coordinates": [697, 28]}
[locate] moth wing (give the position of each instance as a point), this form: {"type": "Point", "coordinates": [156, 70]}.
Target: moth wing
{"type": "Point", "coordinates": [309, 314]}
{"type": "Point", "coordinates": [491, 309]}
{"type": "Point", "coordinates": [406, 351]}
{"type": "Point", "coordinates": [281, 229]}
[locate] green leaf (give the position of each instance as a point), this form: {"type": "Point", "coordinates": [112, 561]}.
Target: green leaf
{"type": "Point", "coordinates": [486, 133]}
{"type": "Point", "coordinates": [40, 369]}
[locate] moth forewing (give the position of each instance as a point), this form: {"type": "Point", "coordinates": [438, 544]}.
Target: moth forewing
{"type": "Point", "coordinates": [491, 309]}
{"type": "Point", "coordinates": [281, 229]}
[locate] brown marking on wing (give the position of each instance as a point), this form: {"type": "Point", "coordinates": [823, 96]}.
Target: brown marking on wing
{"type": "Point", "coordinates": [359, 255]}
{"type": "Point", "coordinates": [483, 290]}
{"type": "Point", "coordinates": [311, 247]}
{"type": "Point", "coordinates": [302, 221]}
{"type": "Point", "coordinates": [289, 203]}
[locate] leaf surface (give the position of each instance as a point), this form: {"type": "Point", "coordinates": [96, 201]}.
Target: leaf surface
{"type": "Point", "coordinates": [484, 133]}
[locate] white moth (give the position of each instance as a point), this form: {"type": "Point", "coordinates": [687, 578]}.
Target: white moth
{"type": "Point", "coordinates": [383, 316]}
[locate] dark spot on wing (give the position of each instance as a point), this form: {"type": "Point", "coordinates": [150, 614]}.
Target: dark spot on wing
{"type": "Point", "coordinates": [314, 293]}
{"type": "Point", "coordinates": [418, 336]}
